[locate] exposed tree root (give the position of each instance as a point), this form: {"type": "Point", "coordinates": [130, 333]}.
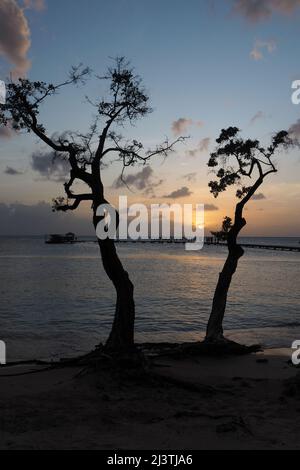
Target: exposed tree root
{"type": "Point", "coordinates": [139, 359]}
{"type": "Point", "coordinates": [94, 360]}
{"type": "Point", "coordinates": [203, 348]}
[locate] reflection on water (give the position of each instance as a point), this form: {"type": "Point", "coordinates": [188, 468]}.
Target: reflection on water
{"type": "Point", "coordinates": [56, 300]}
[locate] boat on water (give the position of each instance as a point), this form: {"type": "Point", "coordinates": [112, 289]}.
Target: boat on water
{"type": "Point", "coordinates": [56, 238]}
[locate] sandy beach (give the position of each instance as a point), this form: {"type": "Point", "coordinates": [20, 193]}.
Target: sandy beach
{"type": "Point", "coordinates": [244, 402]}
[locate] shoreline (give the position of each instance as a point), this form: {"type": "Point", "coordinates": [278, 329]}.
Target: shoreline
{"type": "Point", "coordinates": [279, 337]}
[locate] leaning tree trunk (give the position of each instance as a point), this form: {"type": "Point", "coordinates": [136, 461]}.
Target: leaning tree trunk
{"type": "Point", "coordinates": [214, 330]}
{"type": "Point", "coordinates": [121, 337]}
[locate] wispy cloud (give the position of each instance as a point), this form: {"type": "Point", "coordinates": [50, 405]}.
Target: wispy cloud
{"type": "Point", "coordinates": [178, 193]}
{"type": "Point", "coordinates": [258, 197]}
{"type": "Point", "coordinates": [259, 10]}
{"type": "Point", "coordinates": [143, 180]}
{"type": "Point", "coordinates": [50, 166]}
{"type": "Point", "coordinates": [191, 177]}
{"type": "Point", "coordinates": [204, 144]}
{"type": "Point", "coordinates": [258, 115]}
{"type": "Point", "coordinates": [12, 171]}
{"type": "Point", "coordinates": [259, 47]}
{"type": "Point", "coordinates": [15, 33]}
{"type": "Point", "coordinates": [14, 36]}
{"type": "Point", "coordinates": [201, 147]}
{"type": "Point", "coordinates": [210, 207]}
{"type": "Point", "coordinates": [295, 129]}
{"type": "Point", "coordinates": [181, 126]}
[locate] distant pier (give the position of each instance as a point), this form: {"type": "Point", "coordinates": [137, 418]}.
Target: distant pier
{"type": "Point", "coordinates": [207, 241]}
{"type": "Point", "coordinates": [213, 241]}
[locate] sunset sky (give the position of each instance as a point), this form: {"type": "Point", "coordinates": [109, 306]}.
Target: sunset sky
{"type": "Point", "coordinates": [205, 64]}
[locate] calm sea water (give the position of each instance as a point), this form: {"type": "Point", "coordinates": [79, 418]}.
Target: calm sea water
{"type": "Point", "coordinates": [56, 300]}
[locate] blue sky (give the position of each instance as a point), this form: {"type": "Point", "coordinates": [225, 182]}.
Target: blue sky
{"type": "Point", "coordinates": [195, 60]}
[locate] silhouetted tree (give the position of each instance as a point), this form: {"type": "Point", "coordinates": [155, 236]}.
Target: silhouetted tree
{"type": "Point", "coordinates": [223, 233]}
{"type": "Point", "coordinates": [234, 160]}
{"type": "Point", "coordinates": [127, 101]}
